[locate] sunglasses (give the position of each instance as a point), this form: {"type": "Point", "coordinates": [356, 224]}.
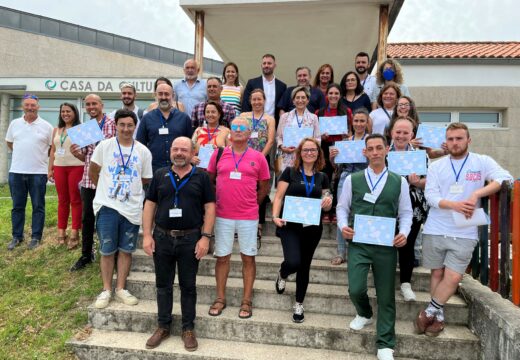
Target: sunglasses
{"type": "Point", "coordinates": [30, 96]}
{"type": "Point", "coordinates": [239, 127]}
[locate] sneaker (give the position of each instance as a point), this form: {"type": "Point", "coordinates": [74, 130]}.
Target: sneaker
{"type": "Point", "coordinates": [14, 243]}
{"type": "Point", "coordinates": [385, 354]}
{"type": "Point", "coordinates": [280, 284]}
{"type": "Point", "coordinates": [435, 328]}
{"type": "Point", "coordinates": [422, 322]}
{"type": "Point", "coordinates": [81, 264]}
{"type": "Point", "coordinates": [298, 315]}
{"type": "Point", "coordinates": [360, 322]}
{"type": "Point", "coordinates": [33, 244]}
{"type": "Point", "coordinates": [407, 292]}
{"type": "Point", "coordinates": [103, 299]}
{"type": "Point", "coordinates": [124, 296]}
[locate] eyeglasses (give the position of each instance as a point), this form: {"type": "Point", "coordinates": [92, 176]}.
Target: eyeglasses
{"type": "Point", "coordinates": [309, 151]}
{"type": "Point", "coordinates": [30, 96]}
{"type": "Point", "coordinates": [239, 127]}
{"type": "Point", "coordinates": [403, 105]}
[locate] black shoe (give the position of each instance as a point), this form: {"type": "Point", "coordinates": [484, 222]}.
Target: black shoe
{"type": "Point", "coordinates": [81, 264]}
{"type": "Point", "coordinates": [14, 243]}
{"type": "Point", "coordinates": [280, 284]}
{"type": "Point", "coordinates": [416, 263]}
{"type": "Point", "coordinates": [298, 315]}
{"type": "Point", "coordinates": [33, 244]}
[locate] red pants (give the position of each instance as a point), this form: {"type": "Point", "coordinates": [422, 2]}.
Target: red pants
{"type": "Point", "coordinates": [67, 179]}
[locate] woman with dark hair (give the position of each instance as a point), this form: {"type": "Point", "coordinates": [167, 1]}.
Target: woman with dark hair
{"type": "Point", "coordinates": [66, 171]}
{"type": "Point", "coordinates": [324, 77]}
{"type": "Point", "coordinates": [299, 242]}
{"type": "Point", "coordinates": [380, 117]}
{"type": "Point", "coordinates": [213, 133]}
{"type": "Point", "coordinates": [232, 91]}
{"type": "Point", "coordinates": [176, 104]}
{"type": "Point", "coordinates": [390, 71]}
{"type": "Point", "coordinates": [353, 95]}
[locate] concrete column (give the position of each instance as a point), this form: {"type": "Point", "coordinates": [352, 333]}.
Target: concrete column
{"type": "Point", "coordinates": [4, 124]}
{"type": "Point", "coordinates": [199, 40]}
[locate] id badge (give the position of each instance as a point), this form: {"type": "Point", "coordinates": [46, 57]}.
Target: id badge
{"type": "Point", "coordinates": [456, 189]}
{"type": "Point", "coordinates": [254, 135]}
{"type": "Point", "coordinates": [371, 198]}
{"type": "Point", "coordinates": [235, 175]}
{"type": "Point", "coordinates": [60, 152]}
{"type": "Point", "coordinates": [163, 131]}
{"type": "Point", "coordinates": [175, 213]}
{"type": "Point", "coordinates": [124, 178]}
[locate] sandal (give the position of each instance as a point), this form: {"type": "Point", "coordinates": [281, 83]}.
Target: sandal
{"type": "Point", "coordinates": [216, 307]}
{"type": "Point", "coordinates": [246, 307]}
{"type": "Point", "coordinates": [73, 243]}
{"type": "Point", "coordinates": [337, 260]}
{"type": "Point", "coordinates": [62, 240]}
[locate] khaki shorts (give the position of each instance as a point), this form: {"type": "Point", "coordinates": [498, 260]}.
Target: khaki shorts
{"type": "Point", "coordinates": [441, 251]}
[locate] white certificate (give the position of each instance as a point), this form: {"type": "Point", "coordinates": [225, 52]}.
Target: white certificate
{"type": "Point", "coordinates": [374, 230]}
{"type": "Point", "coordinates": [350, 152]}
{"type": "Point", "coordinates": [333, 125]}
{"type": "Point", "coordinates": [302, 210]}
{"type": "Point", "coordinates": [478, 218]}
{"type": "Point", "coordinates": [292, 135]}
{"type": "Point", "coordinates": [431, 136]}
{"type": "Point", "coordinates": [86, 133]}
{"type": "Point", "coordinates": [205, 153]}
{"type": "Point", "coordinates": [407, 162]}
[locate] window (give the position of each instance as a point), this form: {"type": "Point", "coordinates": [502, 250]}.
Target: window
{"type": "Point", "coordinates": [474, 119]}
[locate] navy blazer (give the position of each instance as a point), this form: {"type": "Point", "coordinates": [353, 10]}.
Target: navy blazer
{"type": "Point", "coordinates": [258, 83]}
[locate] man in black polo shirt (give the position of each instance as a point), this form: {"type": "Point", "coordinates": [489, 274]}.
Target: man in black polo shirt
{"type": "Point", "coordinates": [181, 202]}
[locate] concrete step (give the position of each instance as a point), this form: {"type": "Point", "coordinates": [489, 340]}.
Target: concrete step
{"type": "Point", "coordinates": [275, 327]}
{"type": "Point", "coordinates": [320, 298]}
{"type": "Point", "coordinates": [123, 345]}
{"type": "Point", "coordinates": [322, 271]}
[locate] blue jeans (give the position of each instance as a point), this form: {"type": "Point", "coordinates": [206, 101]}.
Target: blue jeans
{"type": "Point", "coordinates": [35, 185]}
{"type": "Point", "coordinates": [115, 232]}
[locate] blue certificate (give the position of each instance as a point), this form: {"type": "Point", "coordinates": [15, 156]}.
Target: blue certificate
{"type": "Point", "coordinates": [407, 162]}
{"type": "Point", "coordinates": [86, 133]}
{"type": "Point", "coordinates": [350, 152]}
{"type": "Point", "coordinates": [334, 125]}
{"type": "Point", "coordinates": [374, 230]}
{"type": "Point", "coordinates": [205, 153]}
{"type": "Point", "coordinates": [431, 136]}
{"type": "Point", "coordinates": [302, 210]}
{"type": "Point", "coordinates": [292, 135]}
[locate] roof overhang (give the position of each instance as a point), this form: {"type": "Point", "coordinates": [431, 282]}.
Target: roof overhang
{"type": "Point", "coordinates": [297, 32]}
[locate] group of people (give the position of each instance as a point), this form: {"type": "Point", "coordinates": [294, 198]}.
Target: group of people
{"type": "Point", "coordinates": [155, 155]}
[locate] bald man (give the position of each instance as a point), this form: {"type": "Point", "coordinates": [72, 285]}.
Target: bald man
{"type": "Point", "coordinates": [161, 126]}
{"type": "Point", "coordinates": [94, 108]}
{"type": "Point", "coordinates": [191, 90]}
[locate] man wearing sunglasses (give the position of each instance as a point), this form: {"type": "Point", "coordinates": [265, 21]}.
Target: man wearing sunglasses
{"type": "Point", "coordinates": [242, 182]}
{"type": "Point", "coordinates": [29, 138]}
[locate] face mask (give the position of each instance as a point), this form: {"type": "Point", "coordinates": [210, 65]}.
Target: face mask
{"type": "Point", "coordinates": [388, 74]}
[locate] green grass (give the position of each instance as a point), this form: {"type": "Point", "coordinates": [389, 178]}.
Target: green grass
{"type": "Point", "coordinates": [42, 304]}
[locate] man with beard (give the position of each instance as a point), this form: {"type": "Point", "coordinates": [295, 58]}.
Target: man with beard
{"type": "Point", "coordinates": [128, 96]}
{"type": "Point", "coordinates": [368, 81]}
{"type": "Point", "coordinates": [190, 90]}
{"type": "Point", "coordinates": [214, 89]}
{"type": "Point", "coordinates": [161, 126]}
{"type": "Point", "coordinates": [455, 185]}
{"type": "Point", "coordinates": [181, 203]}
{"type": "Point", "coordinates": [303, 78]}
{"type": "Point", "coordinates": [94, 108]}
{"type": "Point", "coordinates": [273, 88]}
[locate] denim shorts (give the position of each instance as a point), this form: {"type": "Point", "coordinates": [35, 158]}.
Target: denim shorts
{"type": "Point", "coordinates": [115, 232]}
{"type": "Point", "coordinates": [225, 230]}
{"type": "Point", "coordinates": [445, 251]}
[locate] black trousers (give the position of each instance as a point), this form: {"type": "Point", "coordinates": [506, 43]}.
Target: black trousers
{"type": "Point", "coordinates": [407, 254]}
{"type": "Point", "coordinates": [88, 221]}
{"type": "Point", "coordinates": [299, 244]}
{"type": "Point", "coordinates": [169, 253]}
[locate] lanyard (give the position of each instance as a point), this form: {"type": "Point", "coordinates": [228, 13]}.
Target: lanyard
{"type": "Point", "coordinates": [239, 160]}
{"type": "Point", "coordinates": [210, 135]}
{"type": "Point", "coordinates": [256, 121]}
{"type": "Point", "coordinates": [125, 165]}
{"type": "Point", "coordinates": [62, 138]}
{"type": "Point", "coordinates": [363, 138]}
{"type": "Point", "coordinates": [392, 147]}
{"type": "Point", "coordinates": [102, 122]}
{"type": "Point", "coordinates": [181, 185]}
{"type": "Point", "coordinates": [378, 180]}
{"type": "Point", "coordinates": [457, 174]}
{"type": "Point", "coordinates": [298, 120]}
{"type": "Point", "coordinates": [387, 114]}
{"type": "Point", "coordinates": [163, 120]}
{"type": "Point", "coordinates": [308, 187]}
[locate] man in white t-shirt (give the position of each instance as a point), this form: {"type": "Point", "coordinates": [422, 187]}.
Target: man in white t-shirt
{"type": "Point", "coordinates": [29, 138]}
{"type": "Point", "coordinates": [362, 62]}
{"type": "Point", "coordinates": [119, 167]}
{"type": "Point", "coordinates": [454, 186]}
{"type": "Point", "coordinates": [128, 96]}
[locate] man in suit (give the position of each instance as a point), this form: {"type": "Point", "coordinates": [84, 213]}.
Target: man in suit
{"type": "Point", "coordinates": [303, 78]}
{"type": "Point", "coordinates": [273, 88]}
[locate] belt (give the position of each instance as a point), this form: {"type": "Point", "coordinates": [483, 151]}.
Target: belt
{"type": "Point", "coordinates": [176, 233]}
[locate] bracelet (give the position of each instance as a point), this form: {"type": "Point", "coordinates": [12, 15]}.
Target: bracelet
{"type": "Point", "coordinates": [208, 235]}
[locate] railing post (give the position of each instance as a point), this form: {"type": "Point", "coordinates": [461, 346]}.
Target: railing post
{"type": "Point", "coordinates": [505, 218]}
{"type": "Point", "coordinates": [493, 251]}
{"type": "Point", "coordinates": [515, 286]}
{"type": "Point", "coordinates": [484, 243]}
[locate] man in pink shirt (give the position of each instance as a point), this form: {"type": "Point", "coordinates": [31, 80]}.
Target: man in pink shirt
{"type": "Point", "coordinates": [242, 182]}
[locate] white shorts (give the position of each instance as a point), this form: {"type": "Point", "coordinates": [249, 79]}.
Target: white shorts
{"type": "Point", "coordinates": [225, 230]}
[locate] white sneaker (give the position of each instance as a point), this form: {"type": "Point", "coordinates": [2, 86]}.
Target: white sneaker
{"type": "Point", "coordinates": [359, 322]}
{"type": "Point", "coordinates": [385, 354]}
{"type": "Point", "coordinates": [103, 299]}
{"type": "Point", "coordinates": [124, 296]}
{"type": "Point", "coordinates": [407, 292]}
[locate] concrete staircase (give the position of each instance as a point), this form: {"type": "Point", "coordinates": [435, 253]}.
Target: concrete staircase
{"type": "Point", "coordinates": [120, 331]}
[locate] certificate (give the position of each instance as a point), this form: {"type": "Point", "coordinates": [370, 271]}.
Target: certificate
{"type": "Point", "coordinates": [431, 136]}
{"type": "Point", "coordinates": [205, 153]}
{"type": "Point", "coordinates": [350, 152]}
{"type": "Point", "coordinates": [407, 162]}
{"type": "Point", "coordinates": [374, 230]}
{"type": "Point", "coordinates": [292, 135]}
{"type": "Point", "coordinates": [86, 133]}
{"type": "Point", "coordinates": [302, 210]}
{"type": "Point", "coordinates": [333, 125]}
{"type": "Point", "coordinates": [478, 218]}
